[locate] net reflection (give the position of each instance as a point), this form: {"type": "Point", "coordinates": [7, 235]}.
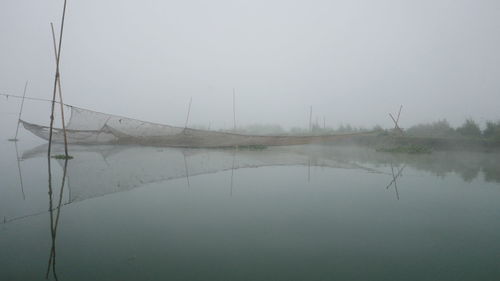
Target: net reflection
{"type": "Point", "coordinates": [101, 170]}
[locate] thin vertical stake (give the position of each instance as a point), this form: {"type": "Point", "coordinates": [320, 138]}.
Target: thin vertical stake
{"type": "Point", "coordinates": [234, 111]}
{"type": "Point", "coordinates": [189, 110]}
{"type": "Point", "coordinates": [21, 110]}
{"type": "Point", "coordinates": [60, 94]}
{"type": "Point", "coordinates": [399, 113]}
{"type": "Point", "coordinates": [55, 81]}
{"type": "Point", "coordinates": [310, 118]}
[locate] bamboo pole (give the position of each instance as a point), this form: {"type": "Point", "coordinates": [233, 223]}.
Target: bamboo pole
{"type": "Point", "coordinates": [310, 118]}
{"type": "Point", "coordinates": [399, 112]}
{"type": "Point", "coordinates": [396, 120]}
{"type": "Point", "coordinates": [20, 112]}
{"type": "Point", "coordinates": [61, 103]}
{"type": "Point", "coordinates": [234, 111]}
{"type": "Point", "coordinates": [58, 57]}
{"type": "Point", "coordinates": [396, 126]}
{"type": "Point", "coordinates": [189, 110]}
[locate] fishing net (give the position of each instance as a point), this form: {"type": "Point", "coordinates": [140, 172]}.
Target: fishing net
{"type": "Point", "coordinates": [91, 127]}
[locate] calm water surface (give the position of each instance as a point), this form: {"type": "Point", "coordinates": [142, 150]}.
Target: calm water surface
{"type": "Point", "coordinates": [297, 213]}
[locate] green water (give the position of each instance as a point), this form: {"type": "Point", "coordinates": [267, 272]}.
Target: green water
{"type": "Point", "coordinates": [300, 213]}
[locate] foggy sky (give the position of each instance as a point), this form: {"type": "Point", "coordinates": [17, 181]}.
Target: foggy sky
{"type": "Point", "coordinates": [352, 61]}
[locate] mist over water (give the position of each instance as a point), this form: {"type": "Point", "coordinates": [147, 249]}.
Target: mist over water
{"type": "Point", "coordinates": [314, 212]}
{"type": "Point", "coordinates": [225, 192]}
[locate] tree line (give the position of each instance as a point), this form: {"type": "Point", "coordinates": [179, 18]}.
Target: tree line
{"type": "Point", "coordinates": [469, 129]}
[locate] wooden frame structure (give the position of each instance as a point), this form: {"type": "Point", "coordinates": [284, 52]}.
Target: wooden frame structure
{"type": "Point", "coordinates": [397, 128]}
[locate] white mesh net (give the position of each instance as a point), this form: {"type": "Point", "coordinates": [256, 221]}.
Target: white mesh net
{"type": "Point", "coordinates": [91, 127]}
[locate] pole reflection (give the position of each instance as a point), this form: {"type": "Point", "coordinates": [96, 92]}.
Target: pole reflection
{"type": "Point", "coordinates": [54, 213]}
{"type": "Point", "coordinates": [395, 176]}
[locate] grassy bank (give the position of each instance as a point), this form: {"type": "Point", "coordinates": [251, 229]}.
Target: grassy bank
{"type": "Point", "coordinates": [412, 144]}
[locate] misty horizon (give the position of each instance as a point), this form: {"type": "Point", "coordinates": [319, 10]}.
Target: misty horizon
{"type": "Point", "coordinates": [352, 62]}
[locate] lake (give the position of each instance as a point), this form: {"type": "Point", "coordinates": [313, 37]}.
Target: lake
{"type": "Point", "coordinates": [282, 213]}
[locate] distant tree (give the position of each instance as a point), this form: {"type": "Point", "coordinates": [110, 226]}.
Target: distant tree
{"type": "Point", "coordinates": [345, 128]}
{"type": "Point", "coordinates": [379, 130]}
{"type": "Point", "coordinates": [440, 128]}
{"type": "Point", "coordinates": [316, 128]}
{"type": "Point", "coordinates": [263, 129]}
{"type": "Point", "coordinates": [298, 131]}
{"type": "Point", "coordinates": [492, 130]}
{"type": "Point", "coordinates": [469, 129]}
